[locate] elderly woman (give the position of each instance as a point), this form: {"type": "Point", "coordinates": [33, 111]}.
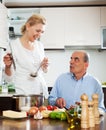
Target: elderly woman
{"type": "Point", "coordinates": [28, 56]}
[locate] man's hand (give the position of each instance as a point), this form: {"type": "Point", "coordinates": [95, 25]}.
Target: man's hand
{"type": "Point", "coordinates": [60, 102]}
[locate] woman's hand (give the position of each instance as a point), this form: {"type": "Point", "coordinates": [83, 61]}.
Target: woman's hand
{"type": "Point", "coordinates": [7, 60]}
{"type": "Point", "coordinates": [44, 64]}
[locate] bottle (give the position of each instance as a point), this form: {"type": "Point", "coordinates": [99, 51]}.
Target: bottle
{"type": "Point", "coordinates": [4, 87]}
{"type": "Point", "coordinates": [11, 88]}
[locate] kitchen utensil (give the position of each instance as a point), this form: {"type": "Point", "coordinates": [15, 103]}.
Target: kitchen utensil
{"type": "Point", "coordinates": [24, 102]}
{"type": "Point", "coordinates": [65, 108]}
{"type": "Point", "coordinates": [36, 73]}
{"type": "Point", "coordinates": [12, 56]}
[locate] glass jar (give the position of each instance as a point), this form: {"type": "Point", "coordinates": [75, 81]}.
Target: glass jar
{"type": "Point", "coordinates": [4, 87]}
{"type": "Point", "coordinates": [11, 88]}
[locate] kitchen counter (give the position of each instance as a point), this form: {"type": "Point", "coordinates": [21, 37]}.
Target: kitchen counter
{"type": "Point", "coordinates": [6, 95]}
{"type": "Point", "coordinates": [43, 124]}
{"type": "Point", "coordinates": [103, 86]}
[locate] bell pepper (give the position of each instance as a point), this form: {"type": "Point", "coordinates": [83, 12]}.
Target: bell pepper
{"type": "Point", "coordinates": [58, 115]}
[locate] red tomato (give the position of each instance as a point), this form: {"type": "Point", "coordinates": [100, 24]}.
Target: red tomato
{"type": "Point", "coordinates": [50, 107]}
{"type": "Point", "coordinates": [55, 107]}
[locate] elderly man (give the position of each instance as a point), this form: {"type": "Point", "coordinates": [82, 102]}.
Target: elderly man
{"type": "Point", "coordinates": [70, 86]}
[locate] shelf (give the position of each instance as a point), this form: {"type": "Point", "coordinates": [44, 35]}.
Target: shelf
{"type": "Point", "coordinates": [17, 21]}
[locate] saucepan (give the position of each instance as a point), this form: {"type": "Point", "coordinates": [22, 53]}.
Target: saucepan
{"type": "Point", "coordinates": [24, 102]}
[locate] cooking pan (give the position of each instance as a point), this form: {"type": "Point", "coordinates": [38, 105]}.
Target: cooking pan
{"type": "Point", "coordinates": [24, 102]}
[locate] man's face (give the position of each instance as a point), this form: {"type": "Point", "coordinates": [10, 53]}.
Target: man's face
{"type": "Point", "coordinates": [77, 64]}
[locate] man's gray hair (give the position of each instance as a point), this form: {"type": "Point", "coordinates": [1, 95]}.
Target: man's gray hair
{"type": "Point", "coordinates": [86, 57]}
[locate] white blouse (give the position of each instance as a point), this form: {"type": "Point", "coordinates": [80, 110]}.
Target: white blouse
{"type": "Point", "coordinates": [27, 62]}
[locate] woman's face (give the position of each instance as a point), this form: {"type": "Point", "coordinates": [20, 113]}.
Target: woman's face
{"type": "Point", "coordinates": [34, 32]}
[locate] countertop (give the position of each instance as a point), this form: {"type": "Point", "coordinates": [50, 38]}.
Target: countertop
{"type": "Point", "coordinates": [43, 124]}
{"type": "Point", "coordinates": [6, 95]}
{"type": "Point", "coordinates": [103, 86]}
{"type": "Point", "coordinates": [11, 94]}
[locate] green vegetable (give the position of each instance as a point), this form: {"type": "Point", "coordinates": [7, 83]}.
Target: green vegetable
{"type": "Point", "coordinates": [63, 116]}
{"type": "Point", "coordinates": [58, 115]}
{"type": "Point", "coordinates": [52, 115]}
{"type": "Point", "coordinates": [71, 111]}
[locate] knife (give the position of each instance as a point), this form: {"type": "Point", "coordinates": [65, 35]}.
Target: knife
{"type": "Point", "coordinates": [12, 56]}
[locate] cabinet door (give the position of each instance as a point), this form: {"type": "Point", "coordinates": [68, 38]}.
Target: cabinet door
{"type": "Point", "coordinates": [104, 91]}
{"type": "Point", "coordinates": [82, 26]}
{"type": "Point", "coordinates": [103, 16]}
{"type": "Point", "coordinates": [53, 36]}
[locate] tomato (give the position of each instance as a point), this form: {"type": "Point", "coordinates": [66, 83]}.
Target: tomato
{"type": "Point", "coordinates": [55, 107]}
{"type": "Point", "coordinates": [50, 107]}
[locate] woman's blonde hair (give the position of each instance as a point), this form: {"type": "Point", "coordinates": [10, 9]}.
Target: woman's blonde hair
{"type": "Point", "coordinates": [34, 19]}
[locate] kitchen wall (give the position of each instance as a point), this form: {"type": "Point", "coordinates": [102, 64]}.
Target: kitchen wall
{"type": "Point", "coordinates": [59, 59]}
{"type": "Point", "coordinates": [59, 63]}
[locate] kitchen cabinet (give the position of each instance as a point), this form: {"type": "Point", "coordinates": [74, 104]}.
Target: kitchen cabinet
{"type": "Point", "coordinates": [18, 16]}
{"type": "Point", "coordinates": [7, 103]}
{"type": "Point", "coordinates": [103, 16]}
{"type": "Point", "coordinates": [15, 27]}
{"type": "Point", "coordinates": [54, 33]}
{"type": "Point", "coordinates": [104, 90]}
{"type": "Point", "coordinates": [82, 26]}
{"type": "Point", "coordinates": [66, 26]}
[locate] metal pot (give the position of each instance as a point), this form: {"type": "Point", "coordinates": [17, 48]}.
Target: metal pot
{"type": "Point", "coordinates": [24, 102]}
